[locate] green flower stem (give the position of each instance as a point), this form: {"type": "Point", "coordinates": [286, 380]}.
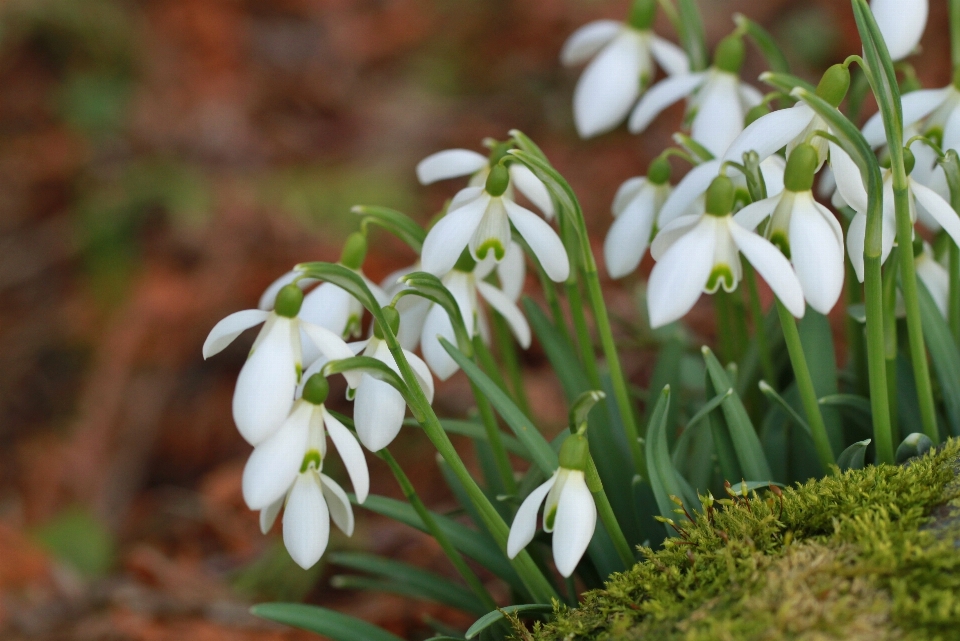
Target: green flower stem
{"type": "Point", "coordinates": [756, 311]}
{"type": "Point", "coordinates": [507, 348]}
{"type": "Point", "coordinates": [489, 419]}
{"type": "Point", "coordinates": [954, 310]}
{"type": "Point", "coordinates": [584, 340]}
{"type": "Point", "coordinates": [461, 566]}
{"type": "Point", "coordinates": [808, 395]}
{"type": "Point", "coordinates": [953, 7]}
{"type": "Point", "coordinates": [725, 333]}
{"type": "Point", "coordinates": [876, 361]}
{"type": "Point", "coordinates": [854, 329]}
{"type": "Point", "coordinates": [607, 516]}
{"type": "Point", "coordinates": [890, 342]}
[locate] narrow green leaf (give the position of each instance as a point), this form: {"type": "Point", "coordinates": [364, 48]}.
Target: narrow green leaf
{"type": "Point", "coordinates": [765, 43]}
{"type": "Point", "coordinates": [343, 278]}
{"type": "Point", "coordinates": [460, 494]}
{"type": "Point", "coordinates": [432, 288]}
{"type": "Point", "coordinates": [664, 479]}
{"type": "Point", "coordinates": [395, 222]}
{"type": "Point", "coordinates": [371, 366]}
{"type": "Point", "coordinates": [490, 618]}
{"type": "Point", "coordinates": [556, 184]}
{"type": "Point", "coordinates": [816, 337]}
{"type": "Point", "coordinates": [772, 394]}
{"type": "Point", "coordinates": [560, 353]}
{"type": "Point", "coordinates": [720, 437]}
{"type": "Point", "coordinates": [853, 457]}
{"type": "Point", "coordinates": [524, 143]}
{"type": "Point", "coordinates": [692, 35]}
{"type": "Point", "coordinates": [785, 82]}
{"type": "Point", "coordinates": [474, 430]}
{"type": "Point", "coordinates": [329, 623]}
{"type": "Point", "coordinates": [944, 354]}
{"type": "Point", "coordinates": [540, 451]}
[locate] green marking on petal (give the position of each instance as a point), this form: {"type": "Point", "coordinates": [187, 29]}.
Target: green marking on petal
{"type": "Point", "coordinates": [782, 242]}
{"type": "Point", "coordinates": [491, 243]}
{"type": "Point", "coordinates": [311, 457]}
{"type": "Point", "coordinates": [721, 274]}
{"type": "Point", "coordinates": [550, 519]}
{"type": "Point", "coordinates": [299, 368]}
{"type": "Point", "coordinates": [354, 327]}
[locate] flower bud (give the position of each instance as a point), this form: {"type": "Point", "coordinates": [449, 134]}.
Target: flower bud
{"type": "Point", "coordinates": [392, 316]}
{"type": "Point", "coordinates": [801, 166]}
{"type": "Point", "coordinates": [316, 389]}
{"type": "Point", "coordinates": [659, 171]}
{"type": "Point", "coordinates": [729, 54]}
{"type": "Point", "coordinates": [465, 263]}
{"type": "Point", "coordinates": [909, 160]}
{"type": "Point", "coordinates": [354, 251]}
{"type": "Point", "coordinates": [642, 14]}
{"type": "Point", "coordinates": [288, 302]}
{"type": "Point", "coordinates": [755, 114]}
{"type": "Point", "coordinates": [834, 84]}
{"type": "Point", "coordinates": [498, 180]}
{"type": "Point", "coordinates": [575, 452]}
{"type": "Point", "coordinates": [720, 196]}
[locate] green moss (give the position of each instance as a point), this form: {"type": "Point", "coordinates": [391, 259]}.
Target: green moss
{"type": "Point", "coordinates": [871, 554]}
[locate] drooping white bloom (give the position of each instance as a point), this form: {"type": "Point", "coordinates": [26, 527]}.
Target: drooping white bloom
{"type": "Point", "coordinates": [701, 253]}
{"type": "Point", "coordinates": [569, 513]}
{"type": "Point", "coordinates": [805, 231]}
{"type": "Point", "coordinates": [480, 217]}
{"type": "Point", "coordinates": [718, 100]}
{"type": "Point", "coordinates": [934, 276]}
{"type": "Point", "coordinates": [930, 111]}
{"type": "Point", "coordinates": [265, 388]}
{"type": "Point", "coordinates": [901, 24]}
{"type": "Point", "coordinates": [621, 69]}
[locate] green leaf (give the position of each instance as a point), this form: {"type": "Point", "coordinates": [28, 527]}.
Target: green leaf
{"type": "Point", "coordinates": [772, 394]}
{"type": "Point", "coordinates": [476, 431]}
{"type": "Point", "coordinates": [785, 82]}
{"type": "Point", "coordinates": [747, 446]}
{"type": "Point", "coordinates": [853, 457]}
{"type": "Point", "coordinates": [540, 451]}
{"type": "Point", "coordinates": [329, 623]}
{"type": "Point", "coordinates": [816, 338]}
{"type": "Point", "coordinates": [944, 354]}
{"type": "Point", "coordinates": [411, 580]}
{"type": "Point", "coordinates": [720, 437]}
{"type": "Point", "coordinates": [881, 73]}
{"type": "Point", "coordinates": [432, 288]}
{"type": "Point", "coordinates": [556, 184]}
{"type": "Point", "coordinates": [582, 406]}
{"type": "Point", "coordinates": [560, 353]}
{"type": "Point", "coordinates": [490, 618]}
{"type": "Point", "coordinates": [692, 35]}
{"type": "Point", "coordinates": [343, 278]}
{"type": "Point", "coordinates": [524, 143]}
{"type": "Point", "coordinates": [397, 223]}
{"type": "Point", "coordinates": [373, 367]}
{"type": "Point", "coordinates": [664, 479]}
{"type": "Point", "coordinates": [765, 43]}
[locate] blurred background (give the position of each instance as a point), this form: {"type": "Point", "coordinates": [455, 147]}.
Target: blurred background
{"type": "Point", "coordinates": [161, 162]}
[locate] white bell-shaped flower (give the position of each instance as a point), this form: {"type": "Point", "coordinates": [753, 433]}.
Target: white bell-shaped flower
{"type": "Point", "coordinates": [480, 217]}
{"type": "Point", "coordinates": [932, 112]}
{"type": "Point", "coordinates": [701, 253]}
{"type": "Point", "coordinates": [805, 231]}
{"type": "Point", "coordinates": [569, 510]}
{"type": "Point", "coordinates": [933, 275]}
{"type": "Point", "coordinates": [265, 388]}
{"type": "Point", "coordinates": [636, 210]}
{"type": "Point", "coordinates": [621, 68]}
{"type": "Point", "coordinates": [901, 24]}
{"type": "Point", "coordinates": [718, 100]}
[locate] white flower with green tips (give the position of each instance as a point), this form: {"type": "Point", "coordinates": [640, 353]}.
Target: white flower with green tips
{"type": "Point", "coordinates": [265, 388]}
{"type": "Point", "coordinates": [718, 101]}
{"type": "Point", "coordinates": [701, 253]}
{"type": "Point", "coordinates": [807, 233]}
{"type": "Point", "coordinates": [901, 24]}
{"type": "Point", "coordinates": [622, 66]}
{"type": "Point", "coordinates": [569, 510]}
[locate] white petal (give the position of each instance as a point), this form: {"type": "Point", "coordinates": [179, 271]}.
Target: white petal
{"type": "Point", "coordinates": [662, 95]}
{"type": "Point", "coordinates": [274, 464]}
{"type": "Point", "coordinates": [719, 118]}
{"type": "Point", "coordinates": [413, 313]}
{"type": "Point", "coordinates": [817, 255]}
{"type": "Point", "coordinates": [378, 411]}
{"type": "Point", "coordinates": [755, 213]}
{"type": "Point", "coordinates": [224, 332]}
{"type": "Point", "coordinates": [438, 324]}
{"type": "Point", "coordinates": [627, 192]}
{"type": "Point", "coordinates": [331, 346]}
{"type": "Point", "coordinates": [849, 179]}
{"type": "Point", "coordinates": [901, 23]}
{"type": "Point", "coordinates": [917, 105]}
{"type": "Point", "coordinates": [264, 392]}
{"type": "Point", "coordinates": [856, 237]}
{"type": "Point", "coordinates": [671, 58]}
{"type": "Point", "coordinates": [679, 276]}
{"type": "Point", "coordinates": [448, 238]}
{"type": "Point", "coordinates": [691, 187]}
{"type": "Point", "coordinates": [951, 131]}
{"type": "Point", "coordinates": [467, 194]}
{"type": "Point", "coordinates": [450, 163]}
{"type": "Point", "coordinates": [306, 521]}
{"type": "Point", "coordinates": [543, 241]}
{"type": "Point", "coordinates": [422, 372]}
{"type": "Point", "coordinates": [936, 279]}
{"type": "Point", "coordinates": [772, 265]}
{"type": "Point", "coordinates": [671, 232]}
{"type": "Point", "coordinates": [610, 84]}
{"type": "Point", "coordinates": [338, 503]}
{"type": "Point", "coordinates": [772, 169]}
{"type": "Point", "coordinates": [750, 96]}
{"type": "Point", "coordinates": [512, 271]}
{"type": "Point", "coordinates": [268, 515]}
{"type": "Point", "coordinates": [575, 523]}
{"type": "Point", "coordinates": [509, 310]}
{"type": "Point", "coordinates": [585, 42]}
{"type": "Point", "coordinates": [269, 296]}
{"type": "Point", "coordinates": [525, 522]}
{"type": "Point", "coordinates": [938, 208]}
{"type": "Point", "coordinates": [769, 133]}
{"type": "Point", "coordinates": [327, 306]}
{"type": "Point", "coordinates": [627, 240]}
{"type": "Point", "coordinates": [532, 187]}
{"type": "Point", "coordinates": [349, 450]}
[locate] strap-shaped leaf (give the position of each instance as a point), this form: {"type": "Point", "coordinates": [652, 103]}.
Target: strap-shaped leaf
{"type": "Point", "coordinates": [663, 476]}
{"type": "Point", "coordinates": [785, 82]}
{"type": "Point", "coordinates": [369, 365]}
{"type": "Point", "coordinates": [944, 354]}
{"type": "Point", "coordinates": [854, 456]}
{"type": "Point", "coordinates": [883, 78]}
{"type": "Point", "coordinates": [432, 288]}
{"type": "Point", "coordinates": [541, 453]}
{"type": "Point", "coordinates": [683, 441]}
{"type": "Point", "coordinates": [329, 623]}
{"type": "Point", "coordinates": [490, 618]}
{"type": "Point", "coordinates": [772, 394]}
{"type": "Point", "coordinates": [765, 43]}
{"type": "Point", "coordinates": [476, 431]}
{"type": "Point", "coordinates": [343, 278]}
{"type": "Point", "coordinates": [692, 35]}
{"type": "Point", "coordinates": [559, 351]}
{"type": "Point", "coordinates": [524, 143]}
{"type": "Point", "coordinates": [397, 223]}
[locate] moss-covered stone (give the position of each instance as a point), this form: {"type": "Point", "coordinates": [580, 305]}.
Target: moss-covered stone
{"type": "Point", "coordinates": [870, 554]}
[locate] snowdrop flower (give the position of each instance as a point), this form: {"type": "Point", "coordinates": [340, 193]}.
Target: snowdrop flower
{"type": "Point", "coordinates": [901, 24]}
{"type": "Point", "coordinates": [287, 468]}
{"type": "Point", "coordinates": [793, 126]}
{"type": "Point", "coordinates": [636, 208]}
{"type": "Point", "coordinates": [718, 100]}
{"type": "Point", "coordinates": [851, 189]}
{"type": "Point", "coordinates": [454, 163]}
{"type": "Point", "coordinates": [702, 253]}
{"type": "Point", "coordinates": [804, 230]}
{"type": "Point", "coordinates": [621, 68]}
{"type": "Point", "coordinates": [569, 511]}
{"type": "Point", "coordinates": [267, 382]}
{"type": "Point", "coordinates": [933, 275]}
{"type": "Point", "coordinates": [466, 283]}
{"type": "Point", "coordinates": [480, 217]}
{"type": "Point", "coordinates": [933, 112]}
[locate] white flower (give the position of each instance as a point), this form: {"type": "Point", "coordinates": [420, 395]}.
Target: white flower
{"type": "Point", "coordinates": [718, 100]}
{"type": "Point", "coordinates": [930, 111]}
{"type": "Point", "coordinates": [805, 231]}
{"type": "Point", "coordinates": [480, 217]}
{"type": "Point", "coordinates": [569, 510]}
{"type": "Point", "coordinates": [636, 208]}
{"type": "Point", "coordinates": [267, 382]}
{"type": "Point", "coordinates": [934, 276]}
{"type": "Point", "coordinates": [700, 253]}
{"type": "Point", "coordinates": [901, 24]}
{"type": "Point", "coordinates": [621, 68]}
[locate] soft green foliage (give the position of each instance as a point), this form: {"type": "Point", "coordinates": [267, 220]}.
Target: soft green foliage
{"type": "Point", "coordinates": [79, 540]}
{"type": "Point", "coordinates": [853, 556]}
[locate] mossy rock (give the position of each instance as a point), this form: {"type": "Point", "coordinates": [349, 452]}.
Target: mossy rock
{"type": "Point", "coordinates": [870, 554]}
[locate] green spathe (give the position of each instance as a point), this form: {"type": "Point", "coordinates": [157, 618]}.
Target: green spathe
{"type": "Point", "coordinates": [288, 302]}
